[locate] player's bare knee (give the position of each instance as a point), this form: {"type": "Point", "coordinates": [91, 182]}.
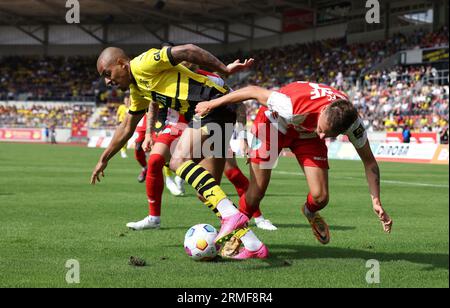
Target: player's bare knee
{"type": "Point", "coordinates": [321, 199]}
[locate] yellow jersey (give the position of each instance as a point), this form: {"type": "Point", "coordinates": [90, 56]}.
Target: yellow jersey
{"type": "Point", "coordinates": [157, 79]}
{"type": "Point", "coordinates": [121, 113]}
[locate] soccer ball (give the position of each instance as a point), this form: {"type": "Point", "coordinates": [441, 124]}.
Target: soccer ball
{"type": "Point", "coordinates": [199, 242]}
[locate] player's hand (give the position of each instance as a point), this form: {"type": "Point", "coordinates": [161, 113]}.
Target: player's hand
{"type": "Point", "coordinates": [99, 170]}
{"type": "Point", "coordinates": [385, 220]}
{"type": "Point", "coordinates": [237, 66]}
{"type": "Point", "coordinates": [203, 108]}
{"type": "Point", "coordinates": [148, 143]}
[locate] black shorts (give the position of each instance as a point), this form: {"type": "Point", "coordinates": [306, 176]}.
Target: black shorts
{"type": "Point", "coordinates": [217, 124]}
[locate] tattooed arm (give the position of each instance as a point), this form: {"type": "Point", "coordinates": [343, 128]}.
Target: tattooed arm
{"type": "Point", "coordinates": [194, 54]}
{"type": "Point", "coordinates": [152, 116]}
{"type": "Point", "coordinates": [373, 179]}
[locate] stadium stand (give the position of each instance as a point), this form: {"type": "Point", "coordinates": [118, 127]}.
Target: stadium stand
{"type": "Point", "coordinates": [416, 96]}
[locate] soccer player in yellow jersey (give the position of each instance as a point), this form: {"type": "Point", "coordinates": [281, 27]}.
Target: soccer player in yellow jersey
{"type": "Point", "coordinates": [121, 114]}
{"type": "Point", "coordinates": [157, 76]}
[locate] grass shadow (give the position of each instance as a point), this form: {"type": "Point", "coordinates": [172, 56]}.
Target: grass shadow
{"type": "Point", "coordinates": [6, 194]}
{"type": "Point", "coordinates": [282, 255]}
{"type": "Point", "coordinates": [305, 226]}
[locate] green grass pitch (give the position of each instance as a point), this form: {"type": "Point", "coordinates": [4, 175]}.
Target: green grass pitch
{"type": "Point", "coordinates": [49, 214]}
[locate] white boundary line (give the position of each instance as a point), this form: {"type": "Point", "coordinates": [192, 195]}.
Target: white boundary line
{"type": "Point", "coordinates": [382, 181]}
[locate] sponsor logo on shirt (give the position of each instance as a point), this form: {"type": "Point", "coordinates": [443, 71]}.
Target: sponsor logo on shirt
{"type": "Point", "coordinates": [359, 132]}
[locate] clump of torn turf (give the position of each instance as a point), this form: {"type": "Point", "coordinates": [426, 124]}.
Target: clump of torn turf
{"type": "Point", "coordinates": [136, 261]}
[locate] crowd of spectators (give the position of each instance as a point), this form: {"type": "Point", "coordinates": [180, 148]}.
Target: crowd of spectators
{"type": "Point", "coordinates": [107, 117]}
{"type": "Point", "coordinates": [40, 116]}
{"type": "Point", "coordinates": [416, 96]}
{"type": "Point", "coordinates": [324, 61]}
{"type": "Point", "coordinates": [37, 78]}
{"type": "Point", "coordinates": [393, 103]}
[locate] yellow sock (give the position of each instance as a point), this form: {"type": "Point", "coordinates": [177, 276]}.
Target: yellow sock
{"type": "Point", "coordinates": [209, 205]}
{"type": "Point", "coordinates": [202, 181]}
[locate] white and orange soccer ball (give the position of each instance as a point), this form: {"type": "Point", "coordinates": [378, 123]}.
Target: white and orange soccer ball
{"type": "Point", "coordinates": [199, 242]}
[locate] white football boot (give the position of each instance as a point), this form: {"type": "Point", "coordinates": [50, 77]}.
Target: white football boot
{"type": "Point", "coordinates": [180, 184]}
{"type": "Point", "coordinates": [265, 224]}
{"type": "Point", "coordinates": [149, 222]}
{"type": "Point", "coordinates": [173, 187]}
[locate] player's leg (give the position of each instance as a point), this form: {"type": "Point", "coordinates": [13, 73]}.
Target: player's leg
{"type": "Point", "coordinates": [259, 181]}
{"type": "Point", "coordinates": [154, 181]}
{"type": "Point", "coordinates": [189, 149]}
{"type": "Point", "coordinates": [253, 247]}
{"type": "Point", "coordinates": [266, 146]}
{"type": "Point", "coordinates": [248, 205]}
{"type": "Point", "coordinates": [241, 184]}
{"type": "Point", "coordinates": [215, 167]}
{"type": "Point", "coordinates": [317, 199]}
{"type": "Point", "coordinates": [312, 156]}
{"type": "Point", "coordinates": [141, 157]}
{"type": "Point", "coordinates": [218, 124]}
{"type": "Point", "coordinates": [235, 176]}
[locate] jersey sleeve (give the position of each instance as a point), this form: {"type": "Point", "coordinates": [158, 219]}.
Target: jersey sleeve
{"type": "Point", "coordinates": [357, 134]}
{"type": "Point", "coordinates": [281, 104]}
{"type": "Point", "coordinates": [155, 61]}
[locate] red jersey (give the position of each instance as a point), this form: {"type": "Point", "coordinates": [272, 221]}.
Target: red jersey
{"type": "Point", "coordinates": [295, 110]}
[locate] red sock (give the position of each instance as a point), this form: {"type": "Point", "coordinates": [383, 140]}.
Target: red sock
{"type": "Point", "coordinates": [244, 208]}
{"type": "Point", "coordinates": [257, 213]}
{"type": "Point", "coordinates": [154, 183]}
{"type": "Point", "coordinates": [312, 205]}
{"type": "Point", "coordinates": [140, 157]}
{"type": "Point", "coordinates": [238, 179]}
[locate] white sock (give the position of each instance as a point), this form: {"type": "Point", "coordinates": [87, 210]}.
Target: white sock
{"type": "Point", "coordinates": [250, 241]}
{"type": "Point", "coordinates": [154, 218]}
{"type": "Point", "coordinates": [226, 208]}
{"type": "Point", "coordinates": [259, 219]}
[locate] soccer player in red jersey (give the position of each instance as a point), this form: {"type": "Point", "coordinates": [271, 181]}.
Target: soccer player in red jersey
{"type": "Point", "coordinates": [173, 183]}
{"type": "Point", "coordinates": [302, 115]}
{"type": "Point", "coordinates": [159, 146]}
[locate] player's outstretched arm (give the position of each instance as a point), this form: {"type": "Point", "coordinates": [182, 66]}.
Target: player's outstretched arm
{"type": "Point", "coordinates": [373, 179]}
{"type": "Point", "coordinates": [122, 134]}
{"type": "Point", "coordinates": [235, 97]}
{"type": "Point", "coordinates": [196, 55]}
